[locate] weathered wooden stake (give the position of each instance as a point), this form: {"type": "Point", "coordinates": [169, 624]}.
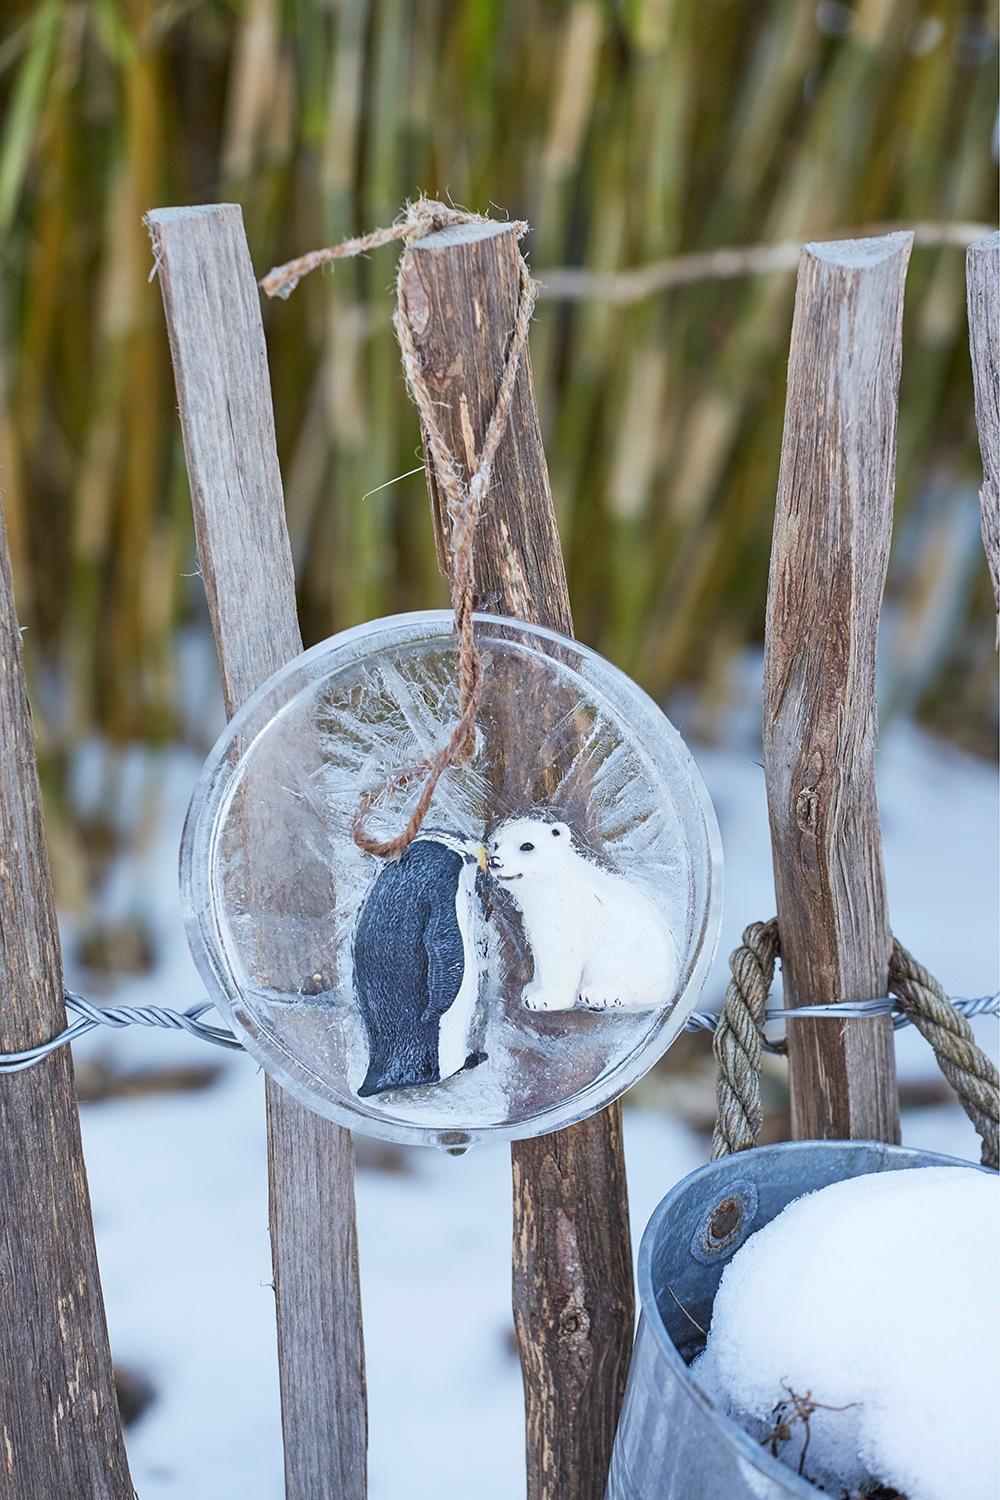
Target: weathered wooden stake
{"type": "Point", "coordinates": [573, 1296]}
{"type": "Point", "coordinates": [220, 363]}
{"type": "Point", "coordinates": [982, 270]}
{"type": "Point", "coordinates": [60, 1432]}
{"type": "Point", "coordinates": [828, 564]}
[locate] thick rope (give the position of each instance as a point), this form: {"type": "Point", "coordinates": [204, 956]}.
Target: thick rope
{"type": "Point", "coordinates": [965, 1065]}
{"type": "Point", "coordinates": [463, 498]}
{"type": "Point", "coordinates": [739, 1043]}
{"type": "Point", "coordinates": [738, 1040]}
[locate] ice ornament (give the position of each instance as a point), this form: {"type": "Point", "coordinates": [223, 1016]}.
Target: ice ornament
{"type": "Point", "coordinates": [472, 986]}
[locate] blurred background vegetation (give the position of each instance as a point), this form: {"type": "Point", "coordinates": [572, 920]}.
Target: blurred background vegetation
{"type": "Point", "coordinates": [626, 132]}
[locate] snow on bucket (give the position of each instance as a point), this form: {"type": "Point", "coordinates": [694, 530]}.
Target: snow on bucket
{"type": "Point", "coordinates": [672, 1442]}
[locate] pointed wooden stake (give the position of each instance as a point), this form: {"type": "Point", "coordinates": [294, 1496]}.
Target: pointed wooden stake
{"type": "Point", "coordinates": [982, 269]}
{"type": "Point", "coordinates": [60, 1432]}
{"type": "Point", "coordinates": [573, 1295]}
{"type": "Point", "coordinates": [828, 564]}
{"type": "Point", "coordinates": [220, 364]}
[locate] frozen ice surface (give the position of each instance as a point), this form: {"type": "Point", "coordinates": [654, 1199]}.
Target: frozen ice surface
{"type": "Point", "coordinates": [879, 1296]}
{"type": "Point", "coordinates": [285, 879]}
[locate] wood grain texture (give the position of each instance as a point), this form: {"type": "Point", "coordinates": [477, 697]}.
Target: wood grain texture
{"type": "Point", "coordinates": [462, 332]}
{"type": "Point", "coordinates": [982, 271]}
{"type": "Point", "coordinates": [830, 551]}
{"type": "Point", "coordinates": [60, 1433]}
{"type": "Point", "coordinates": [220, 364]}
{"type": "Point", "coordinates": [573, 1294]}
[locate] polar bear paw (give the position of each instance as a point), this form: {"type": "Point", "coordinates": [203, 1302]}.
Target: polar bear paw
{"type": "Point", "coordinates": [535, 997]}
{"type": "Point", "coordinates": [590, 1000]}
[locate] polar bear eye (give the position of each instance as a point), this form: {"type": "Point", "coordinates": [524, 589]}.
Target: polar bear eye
{"type": "Point", "coordinates": [555, 833]}
{"type": "Point", "coordinates": [527, 848]}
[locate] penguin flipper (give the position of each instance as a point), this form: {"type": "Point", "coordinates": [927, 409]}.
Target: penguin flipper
{"type": "Point", "coordinates": [445, 961]}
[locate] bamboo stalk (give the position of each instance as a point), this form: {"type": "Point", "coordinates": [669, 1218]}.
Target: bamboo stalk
{"type": "Point", "coordinates": [568, 284]}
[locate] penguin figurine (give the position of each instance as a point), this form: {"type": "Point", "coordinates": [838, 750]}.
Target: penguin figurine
{"type": "Point", "coordinates": [416, 972]}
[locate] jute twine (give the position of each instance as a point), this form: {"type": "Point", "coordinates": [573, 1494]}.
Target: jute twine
{"type": "Point", "coordinates": [463, 497]}
{"type": "Point", "coordinates": [739, 1037]}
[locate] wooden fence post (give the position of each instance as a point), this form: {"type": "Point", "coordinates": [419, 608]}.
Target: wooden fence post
{"type": "Point", "coordinates": [982, 270]}
{"type": "Point", "coordinates": [573, 1295]}
{"type": "Point", "coordinates": [60, 1431]}
{"type": "Point", "coordinates": [220, 364]}
{"type": "Point", "coordinates": [828, 563]}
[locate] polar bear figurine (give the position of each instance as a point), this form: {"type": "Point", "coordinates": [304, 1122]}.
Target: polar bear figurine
{"type": "Point", "coordinates": [596, 938]}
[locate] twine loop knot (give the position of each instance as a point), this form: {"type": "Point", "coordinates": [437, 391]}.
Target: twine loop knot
{"type": "Point", "coordinates": [463, 498]}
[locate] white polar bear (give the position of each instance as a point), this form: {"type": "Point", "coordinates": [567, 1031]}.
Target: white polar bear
{"type": "Point", "coordinates": [595, 938]}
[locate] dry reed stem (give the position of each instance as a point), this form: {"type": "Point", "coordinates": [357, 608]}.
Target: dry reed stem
{"type": "Point", "coordinates": [570, 284]}
{"type": "Point", "coordinates": [635, 139]}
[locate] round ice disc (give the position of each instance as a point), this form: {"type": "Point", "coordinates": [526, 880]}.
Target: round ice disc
{"type": "Point", "coordinates": [534, 951]}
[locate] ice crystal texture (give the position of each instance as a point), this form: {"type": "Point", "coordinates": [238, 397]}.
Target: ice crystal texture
{"type": "Point", "coordinates": [287, 880]}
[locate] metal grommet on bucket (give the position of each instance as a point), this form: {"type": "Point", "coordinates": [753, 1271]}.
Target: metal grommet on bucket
{"type": "Point", "coordinates": [726, 1224]}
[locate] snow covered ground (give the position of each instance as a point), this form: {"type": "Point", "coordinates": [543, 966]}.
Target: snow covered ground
{"type": "Point", "coordinates": [179, 1179]}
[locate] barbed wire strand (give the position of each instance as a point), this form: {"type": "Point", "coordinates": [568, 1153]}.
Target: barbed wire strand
{"type": "Point", "coordinates": [88, 1016]}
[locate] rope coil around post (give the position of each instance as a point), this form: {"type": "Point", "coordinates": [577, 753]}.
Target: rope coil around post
{"type": "Point", "coordinates": [739, 1043]}
{"type": "Point", "coordinates": [739, 1037]}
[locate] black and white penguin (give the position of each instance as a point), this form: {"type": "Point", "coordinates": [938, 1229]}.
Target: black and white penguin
{"type": "Point", "coordinates": [416, 972]}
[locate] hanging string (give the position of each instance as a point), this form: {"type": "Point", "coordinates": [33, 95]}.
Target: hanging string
{"type": "Point", "coordinates": [417, 219]}
{"type": "Point", "coordinates": [463, 497]}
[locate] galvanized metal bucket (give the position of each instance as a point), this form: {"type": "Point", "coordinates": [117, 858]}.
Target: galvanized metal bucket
{"type": "Point", "coordinates": [672, 1443]}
